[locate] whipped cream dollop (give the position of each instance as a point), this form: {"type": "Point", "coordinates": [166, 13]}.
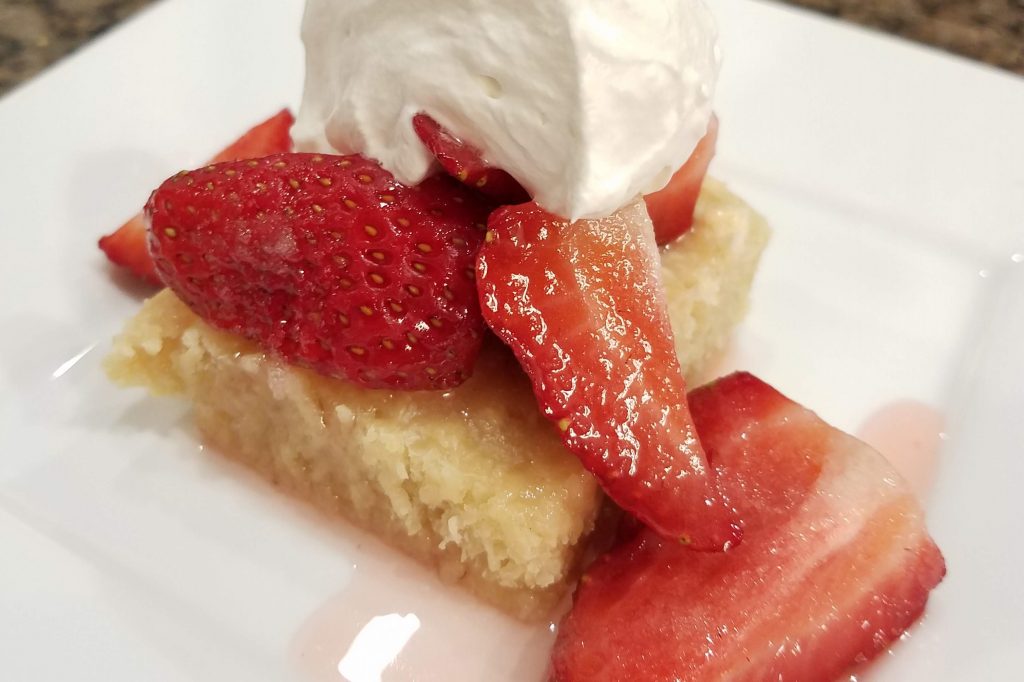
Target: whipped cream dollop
{"type": "Point", "coordinates": [587, 104]}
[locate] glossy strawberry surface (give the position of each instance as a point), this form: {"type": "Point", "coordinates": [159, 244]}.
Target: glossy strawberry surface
{"type": "Point", "coordinates": [464, 162]}
{"type": "Point", "coordinates": [836, 561]}
{"type": "Point", "coordinates": [330, 263]}
{"type": "Point", "coordinates": [582, 306]}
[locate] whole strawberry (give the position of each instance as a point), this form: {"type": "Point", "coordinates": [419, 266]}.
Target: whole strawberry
{"type": "Point", "coordinates": [329, 262]}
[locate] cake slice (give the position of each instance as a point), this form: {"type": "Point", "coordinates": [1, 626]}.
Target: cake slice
{"type": "Point", "coordinates": [473, 481]}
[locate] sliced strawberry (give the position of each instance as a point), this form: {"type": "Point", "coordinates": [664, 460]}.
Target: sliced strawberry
{"type": "Point", "coordinates": [835, 564]}
{"type": "Point", "coordinates": [127, 245]}
{"type": "Point", "coordinates": [464, 162]}
{"type": "Point", "coordinates": [671, 208]}
{"type": "Point", "coordinates": [273, 136]}
{"type": "Point", "coordinates": [582, 306]}
{"type": "Point", "coordinates": [330, 263]}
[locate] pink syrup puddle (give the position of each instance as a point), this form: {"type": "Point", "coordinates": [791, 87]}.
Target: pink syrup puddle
{"type": "Point", "coordinates": [396, 621]}
{"type": "Point", "coordinates": [909, 434]}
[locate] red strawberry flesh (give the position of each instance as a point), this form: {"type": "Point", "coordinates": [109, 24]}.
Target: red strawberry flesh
{"type": "Point", "coordinates": [127, 245]}
{"type": "Point", "coordinates": [464, 162]}
{"type": "Point", "coordinates": [671, 208]}
{"type": "Point", "coordinates": [836, 561]}
{"type": "Point", "coordinates": [330, 263]}
{"type": "Point", "coordinates": [273, 136]}
{"type": "Point", "coordinates": [582, 306]}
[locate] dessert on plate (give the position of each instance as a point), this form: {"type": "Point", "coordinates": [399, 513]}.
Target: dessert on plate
{"type": "Point", "coordinates": [472, 479]}
{"type": "Point", "coordinates": [463, 312]}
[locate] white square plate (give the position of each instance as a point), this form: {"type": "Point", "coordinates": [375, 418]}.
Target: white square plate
{"type": "Point", "coordinates": [892, 297]}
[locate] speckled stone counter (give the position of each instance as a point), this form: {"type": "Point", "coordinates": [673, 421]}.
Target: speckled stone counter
{"type": "Point", "coordinates": [35, 33]}
{"type": "Point", "coordinates": [987, 30]}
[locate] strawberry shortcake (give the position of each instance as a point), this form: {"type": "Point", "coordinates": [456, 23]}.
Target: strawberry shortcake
{"type": "Point", "coordinates": [463, 312]}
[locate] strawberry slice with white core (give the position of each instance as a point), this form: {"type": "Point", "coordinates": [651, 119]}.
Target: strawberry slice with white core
{"type": "Point", "coordinates": [582, 306]}
{"type": "Point", "coordinates": [835, 564]}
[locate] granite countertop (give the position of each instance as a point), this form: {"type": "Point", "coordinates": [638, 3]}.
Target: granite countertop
{"type": "Point", "coordinates": [35, 33]}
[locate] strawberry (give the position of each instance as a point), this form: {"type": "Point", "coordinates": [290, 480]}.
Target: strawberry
{"type": "Point", "coordinates": [330, 263]}
{"type": "Point", "coordinates": [273, 136]}
{"type": "Point", "coordinates": [671, 208]}
{"type": "Point", "coordinates": [835, 564]}
{"type": "Point", "coordinates": [582, 306]}
{"type": "Point", "coordinates": [127, 245]}
{"type": "Point", "coordinates": [464, 162]}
